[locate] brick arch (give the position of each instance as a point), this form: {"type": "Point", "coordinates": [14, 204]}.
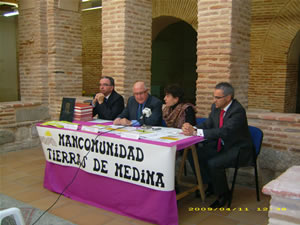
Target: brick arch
{"type": "Point", "coordinates": [160, 23]}
{"type": "Point", "coordinates": [292, 97]}
{"type": "Point", "coordinates": [166, 67]}
{"type": "Point", "coordinates": [273, 80]}
{"type": "Point", "coordinates": [185, 10]}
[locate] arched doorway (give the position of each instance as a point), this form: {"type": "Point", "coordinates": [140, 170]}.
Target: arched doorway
{"type": "Point", "coordinates": [292, 98]}
{"type": "Point", "coordinates": [9, 75]}
{"type": "Point", "coordinates": [174, 59]}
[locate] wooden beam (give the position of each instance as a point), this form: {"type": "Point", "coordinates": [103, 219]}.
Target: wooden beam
{"type": "Point", "coordinates": [9, 1]}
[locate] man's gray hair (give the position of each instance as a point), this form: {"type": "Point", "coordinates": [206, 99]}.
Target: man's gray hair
{"type": "Point", "coordinates": [227, 88]}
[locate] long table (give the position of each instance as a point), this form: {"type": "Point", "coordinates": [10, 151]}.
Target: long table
{"type": "Point", "coordinates": [111, 182]}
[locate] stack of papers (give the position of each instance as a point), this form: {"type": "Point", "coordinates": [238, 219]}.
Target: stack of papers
{"type": "Point", "coordinates": [160, 134]}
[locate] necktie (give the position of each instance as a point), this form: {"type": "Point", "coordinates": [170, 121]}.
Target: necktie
{"type": "Point", "coordinates": [220, 125]}
{"type": "Point", "coordinates": [139, 112]}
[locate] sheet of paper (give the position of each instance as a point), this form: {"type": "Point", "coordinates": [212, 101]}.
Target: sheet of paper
{"type": "Point", "coordinates": [100, 121]}
{"type": "Point", "coordinates": [166, 135]}
{"type": "Point", "coordinates": [61, 124]}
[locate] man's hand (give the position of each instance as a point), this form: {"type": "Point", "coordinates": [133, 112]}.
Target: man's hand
{"type": "Point", "coordinates": [124, 122]}
{"type": "Point", "coordinates": [117, 121]}
{"type": "Point", "coordinates": [99, 98]}
{"type": "Point", "coordinates": [188, 129]}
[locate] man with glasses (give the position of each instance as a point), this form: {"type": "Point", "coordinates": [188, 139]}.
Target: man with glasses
{"type": "Point", "coordinates": [107, 103]}
{"type": "Point", "coordinates": [227, 137]}
{"type": "Point", "coordinates": [140, 102]}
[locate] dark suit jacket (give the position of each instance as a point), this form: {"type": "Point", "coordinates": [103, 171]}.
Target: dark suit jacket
{"type": "Point", "coordinates": [234, 133]}
{"type": "Point", "coordinates": [110, 109]}
{"type": "Point", "coordinates": [130, 111]}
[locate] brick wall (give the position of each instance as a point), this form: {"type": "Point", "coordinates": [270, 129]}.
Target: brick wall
{"type": "Point", "coordinates": [282, 131]}
{"type": "Point", "coordinates": [273, 81]}
{"type": "Point", "coordinates": [17, 124]}
{"type": "Point", "coordinates": [274, 25]}
{"type": "Point", "coordinates": [113, 37]}
{"type": "Point", "coordinates": [126, 40]}
{"type": "Point", "coordinates": [240, 49]}
{"type": "Point", "coordinates": [185, 10]}
{"type": "Point", "coordinates": [50, 63]}
{"type": "Point", "coordinates": [138, 23]}
{"type": "Point", "coordinates": [64, 53]}
{"type": "Point", "coordinates": [222, 49]}
{"type": "Point", "coordinates": [49, 54]}
{"type": "Point", "coordinates": [281, 142]}
{"type": "Point", "coordinates": [91, 50]}
{"type": "Point", "coordinates": [50, 51]}
{"type": "Point", "coordinates": [32, 50]}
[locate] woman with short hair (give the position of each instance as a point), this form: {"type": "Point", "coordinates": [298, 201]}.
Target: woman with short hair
{"type": "Point", "coordinates": [176, 112]}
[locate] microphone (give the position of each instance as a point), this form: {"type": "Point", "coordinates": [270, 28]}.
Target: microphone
{"type": "Point", "coordinates": [146, 113]}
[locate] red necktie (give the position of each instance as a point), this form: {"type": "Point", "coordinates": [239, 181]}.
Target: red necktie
{"type": "Point", "coordinates": [220, 125]}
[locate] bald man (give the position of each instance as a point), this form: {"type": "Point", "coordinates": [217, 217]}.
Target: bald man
{"type": "Point", "coordinates": [141, 100]}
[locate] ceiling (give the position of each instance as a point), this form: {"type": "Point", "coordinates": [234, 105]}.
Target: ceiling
{"type": "Point", "coordinates": [7, 6]}
{"type": "Point", "coordinates": [11, 5]}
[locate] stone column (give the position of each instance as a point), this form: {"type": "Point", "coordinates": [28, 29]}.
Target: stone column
{"type": "Point", "coordinates": [222, 49]}
{"type": "Point", "coordinates": [285, 198]}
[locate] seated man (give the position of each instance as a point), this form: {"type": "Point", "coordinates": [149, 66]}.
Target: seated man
{"type": "Point", "coordinates": [176, 112]}
{"type": "Point", "coordinates": [107, 103]}
{"type": "Point", "coordinates": [227, 135]}
{"type": "Point", "coordinates": [133, 112]}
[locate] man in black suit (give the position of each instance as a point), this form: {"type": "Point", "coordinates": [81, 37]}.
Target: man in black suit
{"type": "Point", "coordinates": [227, 135]}
{"type": "Point", "coordinates": [140, 102]}
{"type": "Point", "coordinates": [107, 103]}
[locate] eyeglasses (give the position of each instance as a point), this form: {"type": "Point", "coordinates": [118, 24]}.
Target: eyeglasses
{"type": "Point", "coordinates": [140, 93]}
{"type": "Point", "coordinates": [219, 97]}
{"type": "Point", "coordinates": [105, 85]}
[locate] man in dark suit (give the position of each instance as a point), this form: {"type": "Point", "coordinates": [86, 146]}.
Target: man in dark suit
{"type": "Point", "coordinates": [227, 135]}
{"type": "Point", "coordinates": [107, 103]}
{"type": "Point", "coordinates": [137, 105]}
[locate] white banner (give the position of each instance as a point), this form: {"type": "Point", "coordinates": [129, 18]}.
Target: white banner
{"type": "Point", "coordinates": [138, 163]}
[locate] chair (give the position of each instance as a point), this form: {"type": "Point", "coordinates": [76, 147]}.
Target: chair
{"type": "Point", "coordinates": [15, 212]}
{"type": "Point", "coordinates": [257, 138]}
{"type": "Point", "coordinates": [163, 123]}
{"type": "Point", "coordinates": [200, 120]}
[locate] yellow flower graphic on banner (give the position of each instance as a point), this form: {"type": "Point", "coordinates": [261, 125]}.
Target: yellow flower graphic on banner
{"type": "Point", "coordinates": [48, 133]}
{"type": "Point", "coordinates": [47, 139]}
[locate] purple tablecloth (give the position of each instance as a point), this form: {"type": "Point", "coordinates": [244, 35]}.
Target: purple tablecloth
{"type": "Point", "coordinates": [158, 207]}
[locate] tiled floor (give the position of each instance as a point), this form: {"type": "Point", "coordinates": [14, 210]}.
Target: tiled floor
{"type": "Point", "coordinates": [22, 172]}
